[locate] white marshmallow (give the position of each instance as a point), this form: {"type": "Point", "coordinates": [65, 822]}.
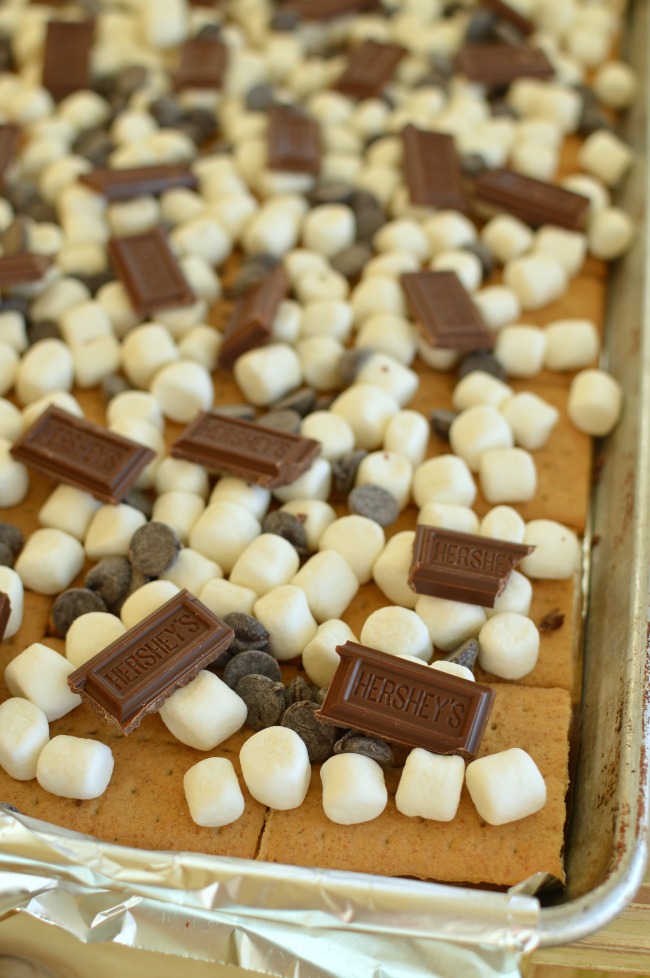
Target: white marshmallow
{"type": "Point", "coordinates": [8, 367]}
{"type": "Point", "coordinates": [444, 479]}
{"type": "Point", "coordinates": [506, 786]}
{"type": "Point", "coordinates": [175, 474]}
{"type": "Point", "coordinates": [359, 539]}
{"type": "Point", "coordinates": [49, 561]}
{"type": "Point", "coordinates": [319, 358]}
{"type": "Point", "coordinates": [449, 623]}
{"type": "Point", "coordinates": [204, 713]}
{"type": "Point", "coordinates": [14, 477]}
{"type": "Point", "coordinates": [13, 331]}
{"type": "Point", "coordinates": [503, 523]}
{"type": "Point", "coordinates": [10, 420]}
{"type": "Point", "coordinates": [379, 293]}
{"type": "Point", "coordinates": [266, 563]}
{"type": "Point", "coordinates": [222, 597]}
{"type": "Point", "coordinates": [447, 230]}
{"type": "Point", "coordinates": [267, 373]}
{"type": "Point", "coordinates": [531, 418]}
{"type": "Point", "coordinates": [12, 586]}
{"type": "Point", "coordinates": [178, 509]}
{"type": "Point", "coordinates": [135, 216]}
{"type": "Point", "coordinates": [144, 434]}
{"type": "Point", "coordinates": [567, 247]}
{"type": "Point", "coordinates": [507, 475]}
{"type": "Point", "coordinates": [320, 659]}
{"type": "Point", "coordinates": [354, 789]}
{"type": "Point", "coordinates": [391, 569]}
{"type": "Point", "coordinates": [329, 584]}
{"type": "Point", "coordinates": [327, 317]}
{"type": "Point", "coordinates": [74, 767]}
{"type": "Point", "coordinates": [60, 399]}
{"type": "Point", "coordinates": [212, 792]}
{"type": "Point", "coordinates": [430, 785]}
{"type": "Point", "coordinates": [475, 431]}
{"type": "Point", "coordinates": [453, 669]}
{"type": "Point", "coordinates": [498, 305]}
{"type": "Point", "coordinates": [536, 279]}
{"type": "Point", "coordinates": [402, 235]}
{"type": "Point", "coordinates": [111, 529]}
{"type": "Point", "coordinates": [316, 483]}
{"type": "Point", "coordinates": [615, 85]}
{"type": "Point", "coordinates": [89, 634]}
{"type": "Point", "coordinates": [398, 631]}
{"type": "Point", "coordinates": [46, 367]}
{"type": "Point", "coordinates": [516, 596]}
{"type": "Point", "coordinates": [145, 600]}
{"type": "Point", "coordinates": [40, 674]}
{"type": "Point", "coordinates": [191, 570]}
{"type": "Point", "coordinates": [368, 410]}
{"type": "Point", "coordinates": [273, 230]}
{"type": "Point", "coordinates": [557, 552]}
{"type": "Point", "coordinates": [231, 489]}
{"type": "Point", "coordinates": [389, 375]}
{"type": "Point", "coordinates": [95, 360]}
{"type": "Point", "coordinates": [595, 402]}
{"type": "Point", "coordinates": [318, 284]}
{"type": "Point", "coordinates": [508, 645]}
{"type": "Point", "coordinates": [520, 349]}
{"type": "Point", "coordinates": [449, 516]}
{"type": "Point", "coordinates": [479, 387]}
{"type": "Point", "coordinates": [605, 156]}
{"type": "Point", "coordinates": [407, 434]}
{"type": "Point", "coordinates": [390, 264]}
{"type": "Point", "coordinates": [275, 766]}
{"type": "Point", "coordinates": [571, 344]}
{"type": "Point", "coordinates": [68, 509]}
{"type": "Point", "coordinates": [285, 614]}
{"type": "Point", "coordinates": [329, 228]}
{"type": "Point", "coordinates": [464, 264]}
{"type": "Point", "coordinates": [387, 333]}
{"type": "Point", "coordinates": [204, 238]}
{"type": "Point", "coordinates": [610, 233]}
{"type": "Point", "coordinates": [222, 533]}
{"type": "Point", "coordinates": [315, 516]}
{"type": "Point", "coordinates": [24, 731]}
{"type": "Point", "coordinates": [506, 237]}
{"type": "Point", "coordinates": [286, 324]}
{"type": "Point", "coordinates": [183, 390]}
{"type": "Point", "coordinates": [334, 433]}
{"type": "Point", "coordinates": [145, 350]}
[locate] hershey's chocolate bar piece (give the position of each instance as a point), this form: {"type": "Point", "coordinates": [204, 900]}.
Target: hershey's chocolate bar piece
{"type": "Point", "coordinates": [462, 566]}
{"type": "Point", "coordinates": [444, 312]}
{"type": "Point", "coordinates": [507, 12]}
{"type": "Point", "coordinates": [406, 702]}
{"type": "Point", "coordinates": [495, 65]}
{"type": "Point", "coordinates": [328, 9]}
{"type": "Point", "coordinates": [5, 611]}
{"type": "Point", "coordinates": [293, 141]}
{"type": "Point", "coordinates": [266, 456]}
{"type": "Point", "coordinates": [135, 674]}
{"type": "Point", "coordinates": [66, 58]}
{"type": "Point", "coordinates": [23, 268]}
{"type": "Point", "coordinates": [149, 272]}
{"type": "Point", "coordinates": [533, 201]}
{"type": "Point", "coordinates": [136, 181]}
{"type": "Point", "coordinates": [82, 454]}
{"type": "Point", "coordinates": [432, 169]}
{"type": "Point", "coordinates": [369, 69]}
{"type": "Point", "coordinates": [202, 64]}
{"type": "Point", "coordinates": [9, 139]}
{"type": "Point", "coordinates": [252, 318]}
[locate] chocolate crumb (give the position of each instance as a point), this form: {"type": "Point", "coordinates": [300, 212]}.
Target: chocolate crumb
{"type": "Point", "coordinates": [551, 621]}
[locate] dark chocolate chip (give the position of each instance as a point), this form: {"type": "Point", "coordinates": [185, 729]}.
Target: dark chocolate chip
{"type": "Point", "coordinates": [247, 628]}
{"type": "Point", "coordinates": [374, 502]}
{"type": "Point", "coordinates": [113, 385]}
{"type": "Point", "coordinates": [237, 646]}
{"type": "Point", "coordinates": [369, 221]}
{"type": "Point", "coordinates": [204, 120]}
{"type": "Point", "coordinates": [331, 192]}
{"type": "Point", "coordinates": [355, 743]}
{"type": "Point", "coordinates": [7, 556]}
{"type": "Point", "coordinates": [167, 111]}
{"type": "Point", "coordinates": [209, 32]}
{"type": "Point", "coordinates": [71, 604]}
{"type": "Point", "coordinates": [94, 145]}
{"type": "Point", "coordinates": [95, 281]}
{"type": "Point", "coordinates": [141, 501]}
{"type": "Point", "coordinates": [344, 470]}
{"type": "Point", "coordinates": [442, 64]}
{"type": "Point", "coordinates": [441, 421]}
{"type": "Point", "coordinates": [551, 621]}
{"type": "Point", "coordinates": [473, 164]}
{"type": "Point", "coordinates": [302, 400]}
{"type": "Point", "coordinates": [501, 109]}
{"type": "Point", "coordinates": [592, 120]}
{"type": "Point", "coordinates": [351, 363]}
{"type": "Point", "coordinates": [286, 420]}
{"type": "Point", "coordinates": [480, 360]}
{"type": "Point", "coordinates": [130, 79]}
{"type": "Point", "coordinates": [41, 211]}
{"type": "Point", "coordinates": [317, 736]}
{"type": "Point", "coordinates": [480, 26]}
{"type": "Point", "coordinates": [351, 261]}
{"type": "Point", "coordinates": [284, 20]}
{"type": "Point", "coordinates": [260, 98]}
{"type": "Point", "coordinates": [324, 402]}
{"type": "Point", "coordinates": [465, 655]}
{"type": "Point", "coordinates": [254, 269]}
{"type": "Point", "coordinates": [20, 194]}
{"type": "Point", "coordinates": [298, 690]}
{"type": "Point", "coordinates": [483, 254]}
{"type": "Point", "coordinates": [244, 411]}
{"type": "Point", "coordinates": [110, 578]}
{"type": "Point", "coordinates": [12, 537]}
{"type": "Point", "coordinates": [153, 548]}
{"type": "Point", "coordinates": [264, 699]}
{"type": "Point", "coordinates": [252, 662]}
{"type": "Point", "coordinates": [288, 526]}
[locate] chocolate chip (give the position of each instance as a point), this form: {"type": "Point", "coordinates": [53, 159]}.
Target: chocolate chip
{"type": "Point", "coordinates": [71, 604]}
{"type": "Point", "coordinates": [483, 254]}
{"type": "Point", "coordinates": [442, 64]}
{"type": "Point", "coordinates": [284, 20]}
{"type": "Point", "coordinates": [253, 270]}
{"type": "Point", "coordinates": [264, 699]}
{"type": "Point", "coordinates": [140, 501]}
{"type": "Point", "coordinates": [374, 502]}
{"type": "Point", "coordinates": [355, 743]}
{"type": "Point", "coordinates": [299, 690]}
{"type": "Point", "coordinates": [41, 211]}
{"type": "Point", "coordinates": [209, 32]}
{"type": "Point", "coordinates": [247, 629]}
{"type": "Point", "coordinates": [153, 548]}
{"type": "Point", "coordinates": [344, 470]}
{"type": "Point", "coordinates": [351, 362]}
{"type": "Point", "coordinates": [331, 192]}
{"type": "Point", "coordinates": [110, 578]}
{"type": "Point", "coordinates": [243, 411]}
{"type": "Point", "coordinates": [260, 98]}
{"type": "Point", "coordinates": [287, 525]}
{"type": "Point", "coordinates": [551, 621]}
{"type": "Point", "coordinates": [130, 79]}
{"type": "Point", "coordinates": [252, 662]}
{"type": "Point", "coordinates": [441, 421]}
{"type": "Point", "coordinates": [465, 655]}
{"type": "Point", "coordinates": [501, 109]}
{"type": "Point", "coordinates": [286, 420]}
{"type": "Point", "coordinates": [351, 261]}
{"type": "Point", "coordinates": [317, 736]}
{"type": "Point", "coordinates": [205, 121]}
{"type": "Point", "coordinates": [7, 557]}
{"type": "Point", "coordinates": [20, 194]}
{"type": "Point", "coordinates": [480, 360]}
{"type": "Point", "coordinates": [94, 145]}
{"type": "Point", "coordinates": [480, 27]}
{"type": "Point", "coordinates": [12, 537]}
{"type": "Point", "coordinates": [369, 221]}
{"type": "Point", "coordinates": [113, 385]}
{"type": "Point", "coordinates": [167, 111]}
{"type": "Point", "coordinates": [592, 120]}
{"type": "Point", "coordinates": [473, 164]}
{"type": "Point", "coordinates": [302, 400]}
{"type": "Point", "coordinates": [237, 646]}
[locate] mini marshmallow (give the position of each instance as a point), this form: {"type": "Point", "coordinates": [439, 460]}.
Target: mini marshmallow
{"type": "Point", "coordinates": [531, 418]}
{"type": "Point", "coordinates": [60, 399]}
{"type": "Point", "coordinates": [318, 284]}
{"type": "Point", "coordinates": [24, 731]}
{"type": "Point", "coordinates": [145, 350]}
{"type": "Point", "coordinates": [508, 645]}
{"type": "Point", "coordinates": [520, 349]}
{"type": "Point", "coordinates": [405, 235]}
{"type": "Point", "coordinates": [479, 387]}
{"type": "Point", "coordinates": [605, 156]}
{"type": "Point", "coordinates": [328, 317]}
{"type": "Point", "coordinates": [135, 216]}
{"type": "Point", "coordinates": [391, 569]}
{"type": "Point", "coordinates": [590, 187]}
{"type": "Point", "coordinates": [329, 228]}
{"type": "Point", "coordinates": [8, 367]}
{"type": "Point", "coordinates": [383, 371]}
{"type": "Point", "coordinates": [10, 421]}
{"type": "Point", "coordinates": [13, 330]}
{"type": "Point", "coordinates": [329, 584]}
{"type": "Point", "coordinates": [567, 247]}
{"type": "Point", "coordinates": [475, 431]}
{"type": "Point", "coordinates": [68, 509]}
{"type": "Point", "coordinates": [449, 516]}
{"type": "Point", "coordinates": [74, 767]}
{"type": "Point", "coordinates": [407, 434]}
{"type": "Point", "coordinates": [319, 358]}
{"type": "Point", "coordinates": [275, 766]}
{"type": "Point", "coordinates": [354, 789]}
{"type": "Point", "coordinates": [447, 230]}
{"type": "Point", "coordinates": [319, 657]}
{"type": "Point", "coordinates": [285, 614]}
{"type": "Point", "coordinates": [379, 293]}
{"type": "Point", "coordinates": [430, 785]}
{"type": "Point", "coordinates": [316, 483]}
{"type": "Point", "coordinates": [12, 586]}
{"type": "Point", "coordinates": [359, 539]}
{"type": "Point", "coordinates": [571, 344]}
{"type": "Point", "coordinates": [444, 479]}
{"type": "Point", "coordinates": [223, 598]}
{"type": "Point", "coordinates": [231, 489]}
{"type": "Point", "coordinates": [272, 230]}
{"type": "Point", "coordinates": [49, 561]}
{"type": "Point", "coordinates": [391, 471]}
{"type": "Point", "coordinates": [449, 623]}
{"type": "Point", "coordinates": [89, 634]}
{"type": "Point", "coordinates": [212, 792]}
{"type": "Point", "coordinates": [95, 360]}
{"type": "Point", "coordinates": [556, 555]}
{"type": "Point", "coordinates": [398, 631]}
{"type": "Point", "coordinates": [536, 279]}
{"type": "Point", "coordinates": [505, 786]}
{"type": "Point", "coordinates": [595, 402]}
{"type": "Point", "coordinates": [266, 563]}
{"type": "Point", "coordinates": [453, 669]}
{"type": "Point", "coordinates": [286, 324]}
{"type": "Point", "coordinates": [110, 530]}
{"type": "Point", "coordinates": [176, 474]}
{"type": "Point", "coordinates": [203, 713]}
{"type": "Point", "coordinates": [204, 238]}
{"type": "Point", "coordinates": [191, 570]}
{"type": "Point", "coordinates": [334, 433]}
{"type": "Point", "coordinates": [178, 509]}
{"type": "Point", "coordinates": [507, 475]}
{"type": "Point", "coordinates": [610, 233]}
{"type": "Point", "coordinates": [46, 367]}
{"type": "Point", "coordinates": [615, 85]}
{"type": "Point", "coordinates": [267, 373]}
{"type": "Point", "coordinates": [390, 334]}
{"type": "Point", "coordinates": [390, 264]}
{"type": "Point", "coordinates": [183, 389]}
{"type": "Point", "coordinates": [14, 477]}
{"type": "Point", "coordinates": [503, 523]}
{"type": "Point", "coordinates": [506, 237]}
{"type": "Point", "coordinates": [464, 264]}
{"type": "Point", "coordinates": [314, 514]}
{"type": "Point", "coordinates": [498, 305]}
{"type": "Point", "coordinates": [222, 533]}
{"type": "Point", "coordinates": [368, 410]}
{"type": "Point", "coordinates": [40, 674]}
{"type": "Point", "coordinates": [145, 600]}
{"type": "Point", "coordinates": [516, 596]}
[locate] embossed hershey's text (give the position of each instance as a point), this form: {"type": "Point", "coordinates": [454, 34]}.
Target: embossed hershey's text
{"type": "Point", "coordinates": [439, 709]}
{"type": "Point", "coordinates": [156, 649]}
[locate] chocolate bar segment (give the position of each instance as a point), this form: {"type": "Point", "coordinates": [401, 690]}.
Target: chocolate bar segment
{"type": "Point", "coordinates": [495, 65]}
{"type": "Point", "coordinates": [23, 268]}
{"type": "Point", "coordinates": [252, 320]}
{"type": "Point", "coordinates": [82, 454]}
{"type": "Point", "coordinates": [293, 141]}
{"type": "Point", "coordinates": [444, 312]}
{"type": "Point", "coordinates": [135, 674]}
{"type": "Point", "coordinates": [507, 12]}
{"type": "Point", "coordinates": [149, 272]}
{"type": "Point", "coordinates": [403, 701]}
{"type": "Point", "coordinates": [328, 9]}
{"type": "Point", "coordinates": [9, 139]}
{"type": "Point", "coordinates": [370, 68]}
{"type": "Point", "coordinates": [266, 456]}
{"type": "Point", "coordinates": [202, 64]}
{"type": "Point", "coordinates": [462, 566]}
{"type": "Point", "coordinates": [432, 169]}
{"type": "Point", "coordinates": [137, 181]}
{"type": "Point", "coordinates": [533, 201]}
{"type": "Point", "coordinates": [66, 58]}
